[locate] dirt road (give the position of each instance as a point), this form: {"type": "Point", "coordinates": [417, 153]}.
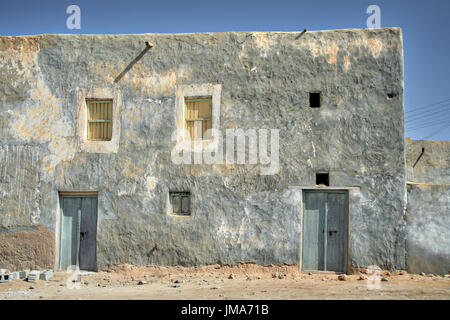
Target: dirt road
{"type": "Point", "coordinates": [246, 281]}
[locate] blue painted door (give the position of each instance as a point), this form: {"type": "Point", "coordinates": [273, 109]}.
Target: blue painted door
{"type": "Point", "coordinates": [324, 242]}
{"type": "Point", "coordinates": [78, 232]}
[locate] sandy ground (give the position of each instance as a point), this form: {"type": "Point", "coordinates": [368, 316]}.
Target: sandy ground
{"type": "Point", "coordinates": [246, 281]}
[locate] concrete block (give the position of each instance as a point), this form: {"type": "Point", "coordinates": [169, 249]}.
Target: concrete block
{"type": "Point", "coordinates": [5, 275]}
{"type": "Point", "coordinates": [23, 274]}
{"type": "Point", "coordinates": [14, 276]}
{"type": "Point", "coordinates": [46, 274]}
{"type": "Point", "coordinates": [34, 276]}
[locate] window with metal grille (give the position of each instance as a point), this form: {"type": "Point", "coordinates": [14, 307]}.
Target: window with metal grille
{"type": "Point", "coordinates": [198, 116]}
{"type": "Point", "coordinates": [180, 203]}
{"type": "Point", "coordinates": [99, 113]}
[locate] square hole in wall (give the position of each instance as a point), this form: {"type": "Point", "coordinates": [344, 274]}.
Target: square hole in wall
{"type": "Point", "coordinates": [180, 203]}
{"type": "Point", "coordinates": [391, 96]}
{"type": "Point", "coordinates": [322, 178]}
{"type": "Point", "coordinates": [314, 99]}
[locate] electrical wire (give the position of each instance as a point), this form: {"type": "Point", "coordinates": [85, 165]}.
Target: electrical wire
{"type": "Point", "coordinates": [437, 131]}
{"type": "Point", "coordinates": [426, 106]}
{"type": "Point", "coordinates": [428, 113]}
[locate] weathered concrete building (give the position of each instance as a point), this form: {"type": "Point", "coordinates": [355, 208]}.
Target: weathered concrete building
{"type": "Point", "coordinates": [428, 209]}
{"type": "Point", "coordinates": [87, 141]}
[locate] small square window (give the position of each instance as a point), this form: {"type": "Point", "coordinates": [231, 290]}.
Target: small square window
{"type": "Point", "coordinates": [198, 116]}
{"type": "Point", "coordinates": [314, 99]}
{"type": "Point", "coordinates": [322, 178]}
{"type": "Point", "coordinates": [99, 115]}
{"type": "Point", "coordinates": [180, 203]}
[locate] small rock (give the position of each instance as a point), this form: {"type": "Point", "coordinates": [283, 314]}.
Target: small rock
{"type": "Point", "coordinates": [86, 283]}
{"type": "Point", "coordinates": [310, 273]}
{"type": "Point", "coordinates": [248, 278]}
{"type": "Point", "coordinates": [281, 276]}
{"type": "Point", "coordinates": [141, 282]}
{"type": "Point", "coordinates": [342, 277]}
{"type": "Point", "coordinates": [362, 277]}
{"type": "Point", "coordinates": [423, 274]}
{"type": "Point", "coordinates": [215, 288]}
{"type": "Point", "coordinates": [324, 279]}
{"type": "Point", "coordinates": [175, 286]}
{"type": "Point", "coordinates": [275, 275]}
{"type": "Point", "coordinates": [177, 281]}
{"type": "Point", "coordinates": [32, 287]}
{"type": "Point", "coordinates": [258, 278]}
{"type": "Point", "coordinates": [384, 279]}
{"type": "Point", "coordinates": [231, 276]}
{"type": "Point", "coordinates": [61, 285]}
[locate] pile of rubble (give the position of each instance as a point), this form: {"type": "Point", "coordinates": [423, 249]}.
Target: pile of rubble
{"type": "Point", "coordinates": [30, 276]}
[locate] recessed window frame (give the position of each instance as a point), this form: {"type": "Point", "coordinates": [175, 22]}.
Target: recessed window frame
{"type": "Point", "coordinates": [90, 101]}
{"type": "Point", "coordinates": [180, 194]}
{"type": "Point", "coordinates": [186, 119]}
{"type": "Point", "coordinates": [196, 90]}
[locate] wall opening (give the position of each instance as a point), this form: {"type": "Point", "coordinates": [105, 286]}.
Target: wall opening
{"type": "Point", "coordinates": [198, 116]}
{"type": "Point", "coordinates": [99, 119]}
{"type": "Point", "coordinates": [390, 96]}
{"type": "Point", "coordinates": [180, 203]}
{"type": "Point", "coordinates": [314, 99]}
{"type": "Point", "coordinates": [322, 178]}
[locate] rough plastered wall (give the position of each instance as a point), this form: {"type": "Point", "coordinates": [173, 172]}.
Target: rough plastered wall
{"type": "Point", "coordinates": [428, 209]}
{"type": "Point", "coordinates": [239, 215]}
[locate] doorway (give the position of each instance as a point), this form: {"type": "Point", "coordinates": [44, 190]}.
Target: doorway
{"type": "Point", "coordinates": [78, 231]}
{"type": "Point", "coordinates": [325, 225]}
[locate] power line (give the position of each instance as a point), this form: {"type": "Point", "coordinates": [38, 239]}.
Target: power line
{"type": "Point", "coordinates": [427, 113]}
{"type": "Point", "coordinates": [430, 105]}
{"type": "Point", "coordinates": [425, 120]}
{"type": "Point", "coordinates": [427, 124]}
{"type": "Point", "coordinates": [437, 131]}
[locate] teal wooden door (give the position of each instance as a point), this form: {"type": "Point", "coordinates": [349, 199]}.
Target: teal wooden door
{"type": "Point", "coordinates": [70, 218]}
{"type": "Point", "coordinates": [78, 232]}
{"type": "Point", "coordinates": [324, 243]}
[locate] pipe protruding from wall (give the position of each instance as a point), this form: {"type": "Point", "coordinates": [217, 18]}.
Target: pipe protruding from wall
{"type": "Point", "coordinates": [420, 156]}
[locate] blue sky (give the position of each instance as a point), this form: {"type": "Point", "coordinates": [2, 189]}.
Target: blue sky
{"type": "Point", "coordinates": [425, 24]}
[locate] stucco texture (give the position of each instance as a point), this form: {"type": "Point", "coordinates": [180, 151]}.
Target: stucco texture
{"type": "Point", "coordinates": [239, 215]}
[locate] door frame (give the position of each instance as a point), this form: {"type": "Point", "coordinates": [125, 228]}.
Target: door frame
{"type": "Point", "coordinates": [347, 215]}
{"type": "Point", "coordinates": [73, 194]}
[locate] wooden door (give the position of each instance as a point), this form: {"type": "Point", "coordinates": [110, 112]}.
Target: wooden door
{"type": "Point", "coordinates": [324, 244]}
{"type": "Point", "coordinates": [78, 232]}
